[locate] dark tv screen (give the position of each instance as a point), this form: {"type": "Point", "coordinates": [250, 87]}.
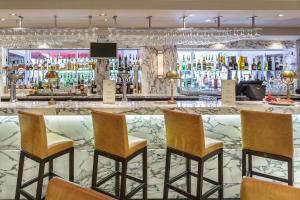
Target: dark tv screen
{"type": "Point", "coordinates": [103, 50]}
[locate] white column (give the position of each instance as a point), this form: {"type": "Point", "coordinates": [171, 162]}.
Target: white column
{"type": "Point", "coordinates": [100, 74]}
{"type": "Point", "coordinates": [151, 83]}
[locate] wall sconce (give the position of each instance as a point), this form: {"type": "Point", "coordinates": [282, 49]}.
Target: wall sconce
{"type": "Point", "coordinates": [160, 64]}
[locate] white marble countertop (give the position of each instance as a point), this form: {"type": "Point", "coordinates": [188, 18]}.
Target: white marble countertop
{"type": "Point", "coordinates": [141, 107]}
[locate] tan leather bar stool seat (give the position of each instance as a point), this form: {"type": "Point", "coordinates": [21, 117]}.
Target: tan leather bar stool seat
{"type": "Point", "coordinates": [58, 189]}
{"type": "Point", "coordinates": [42, 147]}
{"type": "Point", "coordinates": [57, 143]}
{"type": "Point", "coordinates": [185, 137]}
{"type": "Point", "coordinates": [254, 189]}
{"type": "Point", "coordinates": [112, 141]}
{"type": "Point", "coordinates": [268, 135]}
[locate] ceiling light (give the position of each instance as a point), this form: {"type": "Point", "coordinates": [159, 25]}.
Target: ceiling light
{"type": "Point", "coordinates": [192, 15]}
{"type": "Point", "coordinates": [105, 19]}
{"type": "Point", "coordinates": [13, 14]}
{"type": "Point", "coordinates": [208, 20]}
{"type": "Point", "coordinates": [280, 15]}
{"type": "Point", "coordinates": [2, 19]}
{"type": "Point", "coordinates": [102, 14]}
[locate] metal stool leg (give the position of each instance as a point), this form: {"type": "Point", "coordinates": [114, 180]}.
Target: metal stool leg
{"type": "Point", "coordinates": [188, 177]}
{"type": "Point", "coordinates": [220, 175]}
{"type": "Point", "coordinates": [290, 172]}
{"type": "Point", "coordinates": [145, 174]}
{"type": "Point", "coordinates": [40, 181]}
{"type": "Point", "coordinates": [167, 174]}
{"type": "Point", "coordinates": [95, 169]}
{"type": "Point", "coordinates": [200, 179]}
{"type": "Point", "coordinates": [20, 175]}
{"type": "Point", "coordinates": [250, 165]}
{"type": "Point", "coordinates": [117, 178]}
{"type": "Point", "coordinates": [71, 165]}
{"type": "Point", "coordinates": [123, 180]}
{"type": "Point", "coordinates": [244, 156]}
{"type": "Point", "coordinates": [50, 169]}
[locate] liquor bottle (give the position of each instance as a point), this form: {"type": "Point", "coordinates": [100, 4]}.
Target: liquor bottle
{"type": "Point", "coordinates": [259, 65]}
{"type": "Point", "coordinates": [270, 67]}
{"type": "Point", "coordinates": [93, 87]}
{"type": "Point", "coordinates": [194, 64]}
{"type": "Point", "coordinates": [241, 63]}
{"type": "Point", "coordinates": [277, 65]}
{"type": "Point", "coordinates": [198, 65]}
{"type": "Point", "coordinates": [203, 63]}
{"type": "Point", "coordinates": [266, 67]}
{"type": "Point", "coordinates": [183, 65]}
{"type": "Point", "coordinates": [246, 63]}
{"type": "Point", "coordinates": [189, 65]}
{"type": "Point", "coordinates": [253, 65]}
{"type": "Point", "coordinates": [281, 64]}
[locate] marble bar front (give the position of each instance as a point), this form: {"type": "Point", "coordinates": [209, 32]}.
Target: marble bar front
{"type": "Point", "coordinates": [145, 120]}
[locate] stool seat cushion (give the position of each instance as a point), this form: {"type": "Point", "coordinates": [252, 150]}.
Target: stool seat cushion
{"type": "Point", "coordinates": [212, 145]}
{"type": "Point", "coordinates": [57, 143]}
{"type": "Point", "coordinates": [254, 189]}
{"type": "Point", "coordinates": [135, 144]}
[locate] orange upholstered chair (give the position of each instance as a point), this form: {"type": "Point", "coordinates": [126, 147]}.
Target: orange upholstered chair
{"type": "Point", "coordinates": [42, 147]}
{"type": "Point", "coordinates": [185, 137]}
{"type": "Point", "coordinates": [59, 189]}
{"type": "Point", "coordinates": [112, 141]}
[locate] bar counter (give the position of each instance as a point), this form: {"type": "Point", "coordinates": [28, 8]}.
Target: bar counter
{"type": "Point", "coordinates": [145, 119]}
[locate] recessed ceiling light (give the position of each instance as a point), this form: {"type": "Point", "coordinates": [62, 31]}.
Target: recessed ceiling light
{"type": "Point", "coordinates": [13, 14]}
{"type": "Point", "coordinates": [280, 15]}
{"type": "Point", "coordinates": [192, 15]}
{"type": "Point", "coordinates": [102, 14]}
{"type": "Point", "coordinates": [208, 20]}
{"type": "Point", "coordinates": [2, 19]}
{"type": "Point", "coordinates": [105, 19]}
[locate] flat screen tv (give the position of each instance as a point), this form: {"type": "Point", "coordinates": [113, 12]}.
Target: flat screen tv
{"type": "Point", "coordinates": [103, 50]}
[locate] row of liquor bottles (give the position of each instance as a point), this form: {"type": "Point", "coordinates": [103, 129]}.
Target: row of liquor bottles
{"type": "Point", "coordinates": [212, 79]}
{"type": "Point", "coordinates": [34, 74]}
{"type": "Point", "coordinates": [216, 62]}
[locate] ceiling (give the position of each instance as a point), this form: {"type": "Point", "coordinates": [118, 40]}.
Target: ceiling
{"type": "Point", "coordinates": [154, 4]}
{"type": "Point", "coordinates": [166, 13]}
{"type": "Point", "coordinates": [161, 18]}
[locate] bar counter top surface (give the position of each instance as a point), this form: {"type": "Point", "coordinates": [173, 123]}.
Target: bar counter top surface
{"type": "Point", "coordinates": [143, 107]}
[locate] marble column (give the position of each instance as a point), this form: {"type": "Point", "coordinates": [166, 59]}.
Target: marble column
{"type": "Point", "coordinates": [151, 83]}
{"type": "Point", "coordinates": [101, 73]}
{"type": "Point", "coordinates": [298, 61]}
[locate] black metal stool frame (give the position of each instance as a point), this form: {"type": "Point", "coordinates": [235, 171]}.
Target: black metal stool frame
{"type": "Point", "coordinates": [250, 172]}
{"type": "Point", "coordinates": [120, 194]}
{"type": "Point", "coordinates": [42, 162]}
{"type": "Point", "coordinates": [218, 185]}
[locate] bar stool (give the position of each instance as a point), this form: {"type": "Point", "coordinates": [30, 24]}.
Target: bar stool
{"type": "Point", "coordinates": [185, 137]}
{"type": "Point", "coordinates": [267, 135]}
{"type": "Point", "coordinates": [112, 141]}
{"type": "Point", "coordinates": [262, 190]}
{"type": "Point", "coordinates": [40, 147]}
{"type": "Point", "coordinates": [59, 189]}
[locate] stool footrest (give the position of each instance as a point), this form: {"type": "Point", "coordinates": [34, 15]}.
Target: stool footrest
{"type": "Point", "coordinates": [180, 191]}
{"type": "Point", "coordinates": [210, 181]}
{"type": "Point", "coordinates": [177, 177]}
{"type": "Point", "coordinates": [27, 195]}
{"type": "Point", "coordinates": [104, 192]}
{"type": "Point", "coordinates": [269, 176]}
{"type": "Point", "coordinates": [106, 178]}
{"type": "Point", "coordinates": [27, 183]}
{"type": "Point", "coordinates": [134, 179]}
{"type": "Point", "coordinates": [211, 191]}
{"type": "Point", "coordinates": [135, 190]}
